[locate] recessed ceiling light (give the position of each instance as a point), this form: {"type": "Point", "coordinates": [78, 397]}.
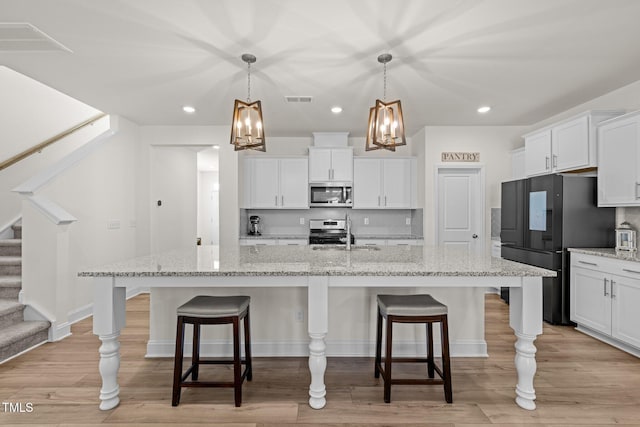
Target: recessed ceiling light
{"type": "Point", "coordinates": [484, 109]}
{"type": "Point", "coordinates": [336, 110]}
{"type": "Point", "coordinates": [188, 109]}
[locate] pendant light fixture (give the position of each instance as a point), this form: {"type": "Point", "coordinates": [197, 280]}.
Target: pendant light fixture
{"type": "Point", "coordinates": [386, 124]}
{"type": "Point", "coordinates": [247, 129]}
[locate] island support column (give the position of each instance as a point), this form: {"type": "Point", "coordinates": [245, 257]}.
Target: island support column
{"type": "Point", "coordinates": [108, 320]}
{"type": "Point", "coordinates": [318, 309]}
{"type": "Point", "coordinates": [525, 318]}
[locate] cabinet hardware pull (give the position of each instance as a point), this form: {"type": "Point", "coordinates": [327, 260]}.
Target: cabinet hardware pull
{"type": "Point", "coordinates": [385, 200]}
{"type": "Point", "coordinates": [378, 200]}
{"type": "Point", "coordinates": [588, 263]}
{"type": "Point", "coordinates": [546, 162]}
{"type": "Point", "coordinates": [612, 294]}
{"type": "Point", "coordinates": [276, 200]}
{"type": "Point", "coordinates": [637, 185]}
{"type": "Point", "coordinates": [281, 200]}
{"type": "Point", "coordinates": [605, 287]}
{"type": "Point", "coordinates": [555, 161]}
{"type": "Point", "coordinates": [631, 271]}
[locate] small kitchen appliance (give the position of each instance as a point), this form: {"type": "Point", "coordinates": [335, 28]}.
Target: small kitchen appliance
{"type": "Point", "coordinates": [254, 225]}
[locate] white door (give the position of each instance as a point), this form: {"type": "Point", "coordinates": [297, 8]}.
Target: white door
{"type": "Point", "coordinates": [538, 153]}
{"type": "Point", "coordinates": [625, 300]}
{"type": "Point", "coordinates": [174, 210]}
{"type": "Point", "coordinates": [264, 185]}
{"type": "Point", "coordinates": [570, 145]}
{"type": "Point", "coordinates": [460, 217]}
{"type": "Point", "coordinates": [366, 183]}
{"type": "Point", "coordinates": [397, 183]}
{"type": "Point", "coordinates": [590, 301]}
{"type": "Point", "coordinates": [319, 164]}
{"type": "Point", "coordinates": [294, 183]}
{"type": "Point", "coordinates": [342, 164]}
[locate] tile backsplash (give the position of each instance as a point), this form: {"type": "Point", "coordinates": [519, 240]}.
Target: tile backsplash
{"type": "Point", "coordinates": [631, 215]}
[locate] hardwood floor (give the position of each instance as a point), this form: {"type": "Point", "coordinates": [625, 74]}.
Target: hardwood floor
{"type": "Point", "coordinates": [580, 382]}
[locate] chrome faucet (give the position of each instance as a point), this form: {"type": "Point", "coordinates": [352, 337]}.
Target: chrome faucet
{"type": "Point", "coordinates": [348, 226]}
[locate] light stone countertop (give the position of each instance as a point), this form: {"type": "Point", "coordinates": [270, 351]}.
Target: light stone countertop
{"type": "Point", "coordinates": [327, 260]}
{"type": "Point", "coordinates": [608, 253]}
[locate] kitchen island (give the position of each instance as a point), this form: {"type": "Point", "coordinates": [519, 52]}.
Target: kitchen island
{"type": "Point", "coordinates": [318, 268]}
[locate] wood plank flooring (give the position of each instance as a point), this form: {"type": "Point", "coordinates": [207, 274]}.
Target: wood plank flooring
{"type": "Point", "coordinates": [580, 382]}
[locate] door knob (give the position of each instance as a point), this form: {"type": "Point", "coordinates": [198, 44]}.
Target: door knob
{"type": "Point", "coordinates": [475, 236]}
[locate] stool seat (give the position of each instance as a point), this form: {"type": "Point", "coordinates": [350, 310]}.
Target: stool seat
{"type": "Point", "coordinates": [212, 306]}
{"type": "Point", "coordinates": [410, 305]}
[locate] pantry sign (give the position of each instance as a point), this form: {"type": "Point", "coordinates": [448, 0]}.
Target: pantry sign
{"type": "Point", "coordinates": [460, 157]}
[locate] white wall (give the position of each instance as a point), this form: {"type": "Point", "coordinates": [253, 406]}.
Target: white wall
{"type": "Point", "coordinates": [494, 144]}
{"type": "Point", "coordinates": [31, 113]}
{"type": "Point", "coordinates": [208, 208]}
{"type": "Point", "coordinates": [97, 191]}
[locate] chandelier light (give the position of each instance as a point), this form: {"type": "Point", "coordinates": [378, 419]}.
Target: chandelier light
{"type": "Point", "coordinates": [386, 124]}
{"type": "Point", "coordinates": [247, 129]}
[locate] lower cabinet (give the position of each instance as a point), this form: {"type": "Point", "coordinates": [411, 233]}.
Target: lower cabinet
{"type": "Point", "coordinates": [605, 296]}
{"type": "Point", "coordinates": [389, 242]}
{"type": "Point", "coordinates": [265, 242]}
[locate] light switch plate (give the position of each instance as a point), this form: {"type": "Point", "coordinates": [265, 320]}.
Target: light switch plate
{"type": "Point", "coordinates": [366, 221]}
{"type": "Point", "coordinates": [302, 221]}
{"type": "Point", "coordinates": [114, 224]}
{"type": "Point", "coordinates": [407, 221]}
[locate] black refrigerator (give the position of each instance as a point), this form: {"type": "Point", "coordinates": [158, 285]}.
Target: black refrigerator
{"type": "Point", "coordinates": [543, 216]}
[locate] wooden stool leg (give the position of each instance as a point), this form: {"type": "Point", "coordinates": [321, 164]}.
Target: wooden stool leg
{"type": "Point", "coordinates": [247, 347]}
{"type": "Point", "coordinates": [378, 345]}
{"type": "Point", "coordinates": [195, 353]}
{"type": "Point", "coordinates": [387, 361]}
{"type": "Point", "coordinates": [430, 362]}
{"type": "Point", "coordinates": [446, 365]}
{"type": "Point", "coordinates": [237, 367]}
{"type": "Point", "coordinates": [177, 367]}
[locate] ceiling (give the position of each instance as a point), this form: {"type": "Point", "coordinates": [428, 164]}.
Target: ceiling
{"type": "Point", "coordinates": [145, 59]}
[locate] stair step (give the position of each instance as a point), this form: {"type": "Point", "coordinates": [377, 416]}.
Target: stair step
{"type": "Point", "coordinates": [10, 287]}
{"type": "Point", "coordinates": [11, 312]}
{"type": "Point", "coordinates": [10, 265]}
{"type": "Point", "coordinates": [17, 338]}
{"type": "Point", "coordinates": [10, 247]}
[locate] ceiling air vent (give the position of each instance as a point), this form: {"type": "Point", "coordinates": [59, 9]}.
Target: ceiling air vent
{"type": "Point", "coordinates": [298, 98]}
{"type": "Point", "coordinates": [24, 37]}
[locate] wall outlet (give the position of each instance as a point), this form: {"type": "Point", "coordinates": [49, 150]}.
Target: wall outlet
{"type": "Point", "coordinates": [114, 224]}
{"type": "Point", "coordinates": [298, 316]}
{"type": "Point", "coordinates": [301, 221]}
{"type": "Point", "coordinates": [366, 221]}
{"type": "Point", "coordinates": [407, 221]}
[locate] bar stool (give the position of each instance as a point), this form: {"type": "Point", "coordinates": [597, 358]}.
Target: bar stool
{"type": "Point", "coordinates": [212, 310]}
{"type": "Point", "coordinates": [413, 309]}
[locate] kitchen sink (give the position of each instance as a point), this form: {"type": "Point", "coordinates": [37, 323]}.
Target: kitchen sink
{"type": "Point", "coordinates": [344, 248]}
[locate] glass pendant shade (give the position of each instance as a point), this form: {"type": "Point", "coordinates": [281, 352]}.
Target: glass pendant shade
{"type": "Point", "coordinates": [246, 130]}
{"type": "Point", "coordinates": [386, 126]}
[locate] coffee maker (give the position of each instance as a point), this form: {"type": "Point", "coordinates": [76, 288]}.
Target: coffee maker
{"type": "Point", "coordinates": [254, 225]}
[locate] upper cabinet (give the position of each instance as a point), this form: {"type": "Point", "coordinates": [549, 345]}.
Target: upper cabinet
{"type": "Point", "coordinates": [619, 158]}
{"type": "Point", "coordinates": [276, 183]}
{"type": "Point", "coordinates": [566, 146]}
{"type": "Point", "coordinates": [330, 164]}
{"type": "Point", "coordinates": [387, 183]}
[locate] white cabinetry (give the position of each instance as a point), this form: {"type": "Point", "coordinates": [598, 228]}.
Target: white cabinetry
{"type": "Point", "coordinates": [273, 242]}
{"type": "Point", "coordinates": [330, 164]}
{"type": "Point", "coordinates": [605, 296]}
{"type": "Point", "coordinates": [277, 183]}
{"type": "Point", "coordinates": [383, 183]}
{"type": "Point", "coordinates": [364, 241]}
{"type": "Point", "coordinates": [565, 146]}
{"type": "Point", "coordinates": [619, 161]}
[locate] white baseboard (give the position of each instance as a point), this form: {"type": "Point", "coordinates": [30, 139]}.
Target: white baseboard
{"type": "Point", "coordinates": [609, 340]}
{"type": "Point", "coordinates": [460, 348]}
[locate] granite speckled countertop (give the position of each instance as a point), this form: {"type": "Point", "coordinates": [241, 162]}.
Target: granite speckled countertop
{"type": "Point", "coordinates": [317, 260]}
{"type": "Point", "coordinates": [608, 253]}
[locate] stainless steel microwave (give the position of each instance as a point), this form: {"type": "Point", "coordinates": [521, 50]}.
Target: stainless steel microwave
{"type": "Point", "coordinates": [330, 194]}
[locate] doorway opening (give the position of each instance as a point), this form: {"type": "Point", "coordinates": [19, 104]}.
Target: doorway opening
{"type": "Point", "coordinates": [208, 229]}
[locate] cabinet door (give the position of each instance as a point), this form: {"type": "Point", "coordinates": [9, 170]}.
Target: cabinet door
{"type": "Point", "coordinates": [293, 242]}
{"type": "Point", "coordinates": [319, 164]}
{"type": "Point", "coordinates": [294, 183]}
{"type": "Point", "coordinates": [590, 299]}
{"type": "Point", "coordinates": [618, 162]}
{"type": "Point", "coordinates": [396, 183]}
{"type": "Point", "coordinates": [537, 149]}
{"type": "Point", "coordinates": [570, 142]}
{"type": "Point", "coordinates": [367, 180]}
{"type": "Point", "coordinates": [264, 183]}
{"type": "Point", "coordinates": [342, 164]}
{"type": "Point", "coordinates": [625, 300]}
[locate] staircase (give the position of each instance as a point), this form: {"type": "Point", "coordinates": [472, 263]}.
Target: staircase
{"type": "Point", "coordinates": [16, 334]}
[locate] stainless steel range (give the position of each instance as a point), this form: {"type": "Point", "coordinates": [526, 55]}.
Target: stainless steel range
{"type": "Point", "coordinates": [328, 232]}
